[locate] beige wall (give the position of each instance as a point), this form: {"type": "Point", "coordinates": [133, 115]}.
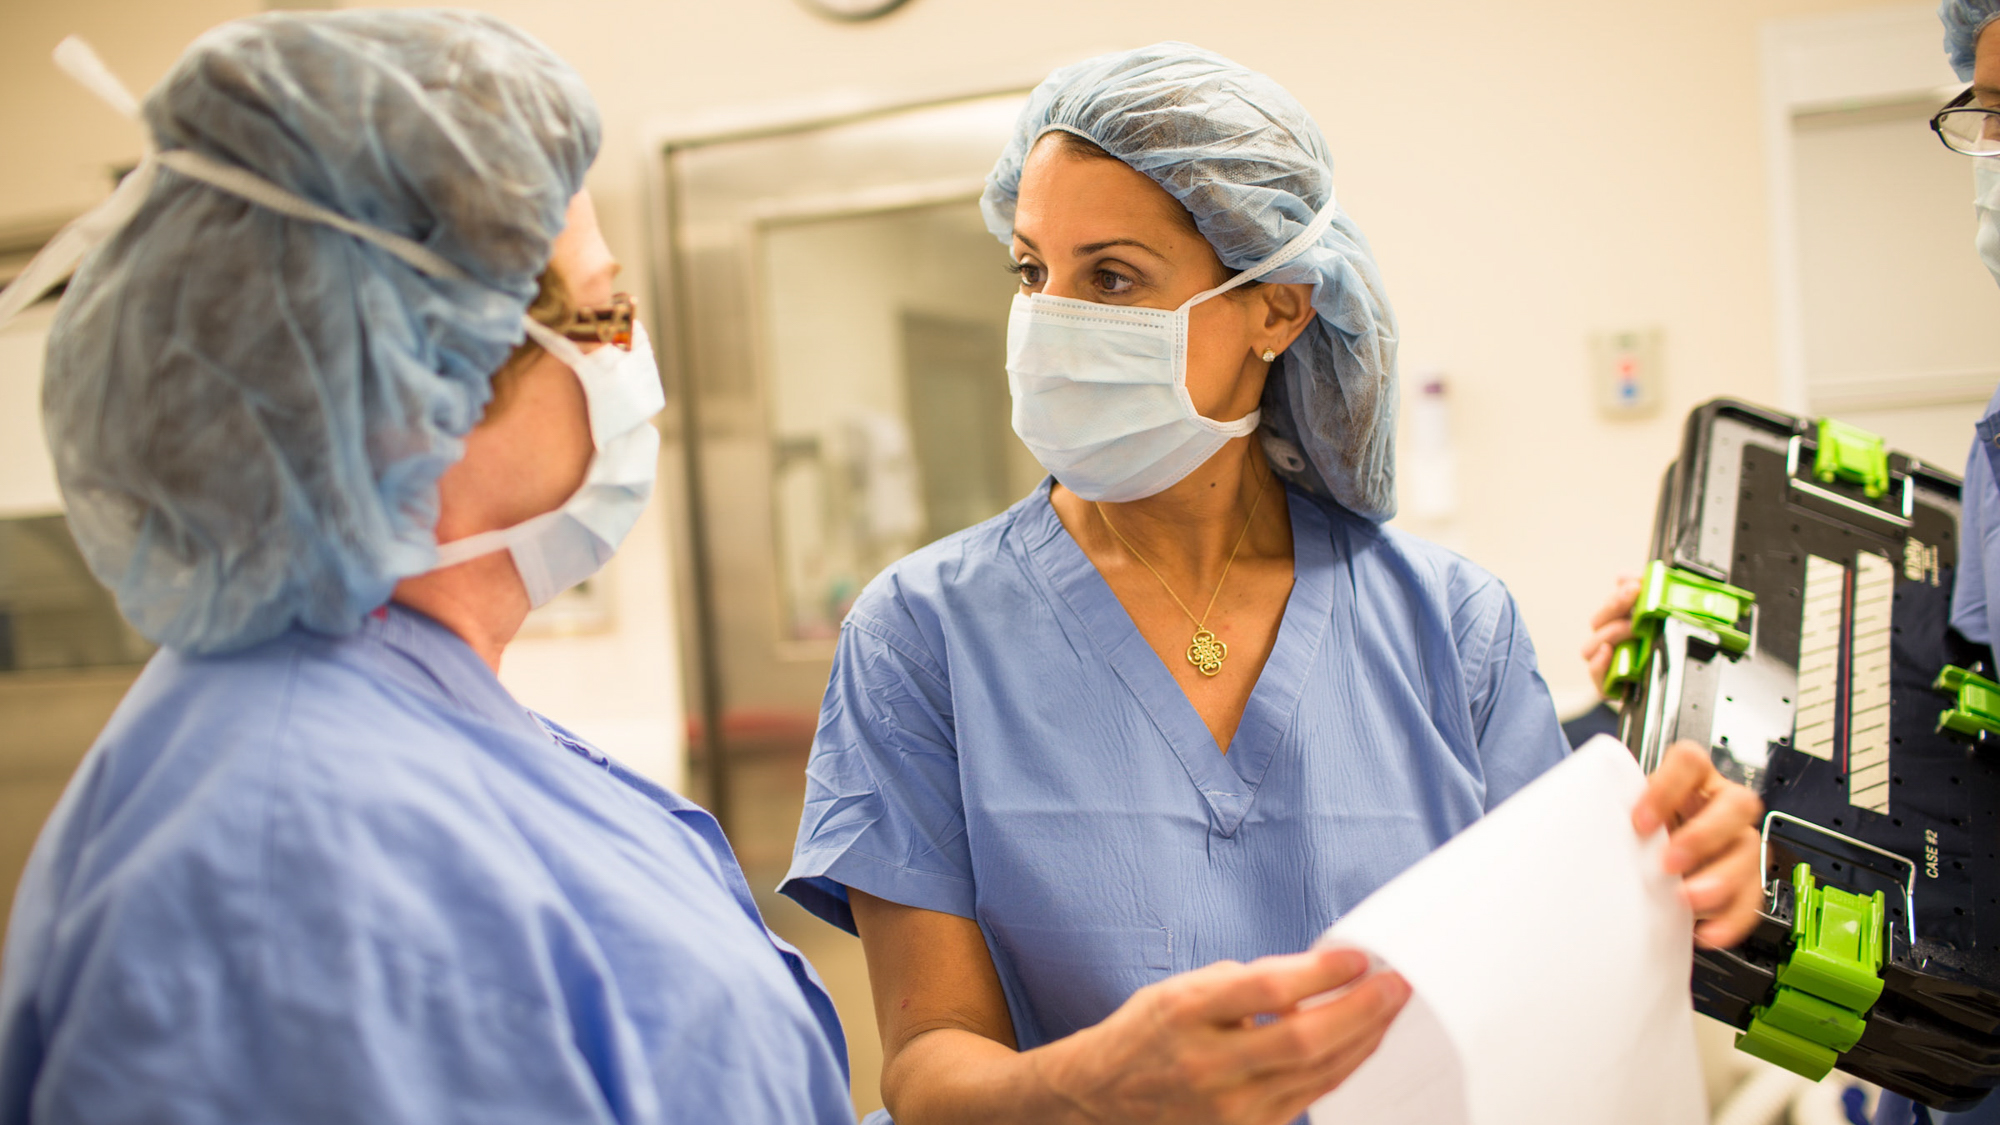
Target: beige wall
{"type": "Point", "coordinates": [1527, 179]}
{"type": "Point", "coordinates": [1528, 175]}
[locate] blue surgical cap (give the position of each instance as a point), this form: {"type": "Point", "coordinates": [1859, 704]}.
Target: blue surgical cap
{"type": "Point", "coordinates": [1248, 162]}
{"type": "Point", "coordinates": [249, 413]}
{"type": "Point", "coordinates": [1963, 21]}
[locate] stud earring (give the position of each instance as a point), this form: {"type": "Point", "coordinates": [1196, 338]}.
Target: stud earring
{"type": "Point", "coordinates": [1269, 355]}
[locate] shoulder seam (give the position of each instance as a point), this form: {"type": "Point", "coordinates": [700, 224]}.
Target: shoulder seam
{"type": "Point", "coordinates": [919, 659]}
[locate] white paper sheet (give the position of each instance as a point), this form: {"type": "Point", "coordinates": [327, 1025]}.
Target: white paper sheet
{"type": "Point", "coordinates": [1548, 956]}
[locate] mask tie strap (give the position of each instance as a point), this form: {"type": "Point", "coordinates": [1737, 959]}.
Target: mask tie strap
{"type": "Point", "coordinates": [1300, 243]}
{"type": "Point", "coordinates": [58, 259]}
{"type": "Point", "coordinates": [556, 344]}
{"type": "Point", "coordinates": [248, 185]}
{"type": "Point", "coordinates": [490, 542]}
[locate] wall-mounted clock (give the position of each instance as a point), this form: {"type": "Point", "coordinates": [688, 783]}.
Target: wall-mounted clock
{"type": "Point", "coordinates": [852, 11]}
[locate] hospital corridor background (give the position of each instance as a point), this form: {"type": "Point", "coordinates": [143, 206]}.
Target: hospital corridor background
{"type": "Point", "coordinates": [1593, 216]}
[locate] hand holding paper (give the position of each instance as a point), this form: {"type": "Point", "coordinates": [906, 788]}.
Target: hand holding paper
{"type": "Point", "coordinates": [1549, 951]}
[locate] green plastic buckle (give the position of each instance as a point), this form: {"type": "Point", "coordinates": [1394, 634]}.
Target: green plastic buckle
{"type": "Point", "coordinates": [1819, 1009]}
{"type": "Point", "coordinates": [1852, 454]}
{"type": "Point", "coordinates": [1978, 709]}
{"type": "Point", "coordinates": [1671, 592]}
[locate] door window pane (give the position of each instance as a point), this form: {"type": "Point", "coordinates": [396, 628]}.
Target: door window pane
{"type": "Point", "coordinates": [887, 388]}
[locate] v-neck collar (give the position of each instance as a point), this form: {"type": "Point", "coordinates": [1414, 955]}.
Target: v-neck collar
{"type": "Point", "coordinates": [1228, 783]}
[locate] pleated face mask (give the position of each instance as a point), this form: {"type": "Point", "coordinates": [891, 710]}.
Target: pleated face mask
{"type": "Point", "coordinates": [1986, 204]}
{"type": "Point", "coordinates": [558, 549]}
{"type": "Point", "coordinates": [1100, 391]}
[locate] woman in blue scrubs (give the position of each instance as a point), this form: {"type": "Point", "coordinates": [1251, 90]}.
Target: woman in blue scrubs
{"type": "Point", "coordinates": [320, 866]}
{"type": "Point", "coordinates": [1087, 771]}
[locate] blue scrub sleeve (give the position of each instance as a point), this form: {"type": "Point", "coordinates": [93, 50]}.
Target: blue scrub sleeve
{"type": "Point", "coordinates": [1514, 718]}
{"type": "Point", "coordinates": [883, 811]}
{"type": "Point", "coordinates": [1969, 612]}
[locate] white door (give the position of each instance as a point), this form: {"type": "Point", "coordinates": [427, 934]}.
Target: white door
{"type": "Point", "coordinates": [1888, 320]}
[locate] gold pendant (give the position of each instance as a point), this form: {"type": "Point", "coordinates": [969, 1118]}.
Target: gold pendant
{"type": "Point", "coordinates": [1207, 652]}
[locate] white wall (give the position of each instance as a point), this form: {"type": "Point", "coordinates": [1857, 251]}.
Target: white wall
{"type": "Point", "coordinates": [27, 478]}
{"type": "Point", "coordinates": [1528, 174]}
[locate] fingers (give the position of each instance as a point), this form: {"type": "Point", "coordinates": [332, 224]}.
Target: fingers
{"type": "Point", "coordinates": [1678, 779]}
{"type": "Point", "coordinates": [1598, 664]}
{"type": "Point", "coordinates": [1713, 841]}
{"type": "Point", "coordinates": [1598, 651]}
{"type": "Point", "coordinates": [1311, 1039]}
{"type": "Point", "coordinates": [1715, 827]}
{"type": "Point", "coordinates": [1290, 1097]}
{"type": "Point", "coordinates": [1624, 594]}
{"type": "Point", "coordinates": [1727, 895]}
{"type": "Point", "coordinates": [1610, 626]}
{"type": "Point", "coordinates": [1607, 636]}
{"type": "Point", "coordinates": [1228, 992]}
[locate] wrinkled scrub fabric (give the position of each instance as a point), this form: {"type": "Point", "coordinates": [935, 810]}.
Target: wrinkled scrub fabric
{"type": "Point", "coordinates": [1000, 743]}
{"type": "Point", "coordinates": [350, 879]}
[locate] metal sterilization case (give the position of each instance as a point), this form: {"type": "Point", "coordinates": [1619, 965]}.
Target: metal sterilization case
{"type": "Point", "coordinates": [1795, 621]}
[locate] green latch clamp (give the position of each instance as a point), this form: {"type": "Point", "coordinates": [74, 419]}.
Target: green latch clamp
{"type": "Point", "coordinates": [1978, 708]}
{"type": "Point", "coordinates": [1819, 1008]}
{"type": "Point", "coordinates": [1671, 592]}
{"type": "Point", "coordinates": [1852, 454]}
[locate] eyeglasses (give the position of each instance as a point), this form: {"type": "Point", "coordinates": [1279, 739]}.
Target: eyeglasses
{"type": "Point", "coordinates": [605, 324]}
{"type": "Point", "coordinates": [1967, 128]}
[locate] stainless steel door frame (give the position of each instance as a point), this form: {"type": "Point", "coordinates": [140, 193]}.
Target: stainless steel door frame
{"type": "Point", "coordinates": [711, 194]}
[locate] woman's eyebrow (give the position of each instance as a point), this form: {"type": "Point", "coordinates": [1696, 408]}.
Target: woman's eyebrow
{"type": "Point", "coordinates": [1094, 247]}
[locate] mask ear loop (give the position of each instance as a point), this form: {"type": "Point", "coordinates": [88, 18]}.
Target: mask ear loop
{"type": "Point", "coordinates": [1300, 243]}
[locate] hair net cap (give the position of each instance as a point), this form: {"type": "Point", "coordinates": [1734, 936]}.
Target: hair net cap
{"type": "Point", "coordinates": [248, 412]}
{"type": "Point", "coordinates": [1963, 21]}
{"type": "Point", "coordinates": [1248, 162]}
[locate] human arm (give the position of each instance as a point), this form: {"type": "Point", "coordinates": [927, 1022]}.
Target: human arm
{"type": "Point", "coordinates": [1189, 1048]}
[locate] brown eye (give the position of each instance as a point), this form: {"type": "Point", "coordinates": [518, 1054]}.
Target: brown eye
{"type": "Point", "coordinates": [1113, 283]}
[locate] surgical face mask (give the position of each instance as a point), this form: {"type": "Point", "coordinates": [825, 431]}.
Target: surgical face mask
{"type": "Point", "coordinates": [1986, 202]}
{"type": "Point", "coordinates": [1100, 391]}
{"type": "Point", "coordinates": [558, 549]}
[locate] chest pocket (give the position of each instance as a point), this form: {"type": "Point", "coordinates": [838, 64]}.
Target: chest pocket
{"type": "Point", "coordinates": [1071, 978]}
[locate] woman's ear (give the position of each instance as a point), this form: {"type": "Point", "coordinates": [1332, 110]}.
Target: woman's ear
{"type": "Point", "coordinates": [1287, 311]}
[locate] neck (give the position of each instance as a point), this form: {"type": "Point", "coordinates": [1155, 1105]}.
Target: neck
{"type": "Point", "coordinates": [482, 600]}
{"type": "Point", "coordinates": [1188, 531]}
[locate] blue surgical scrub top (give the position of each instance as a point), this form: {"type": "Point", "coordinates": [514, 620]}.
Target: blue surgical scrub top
{"type": "Point", "coordinates": [351, 880]}
{"type": "Point", "coordinates": [1973, 611]}
{"type": "Point", "coordinates": [999, 742]}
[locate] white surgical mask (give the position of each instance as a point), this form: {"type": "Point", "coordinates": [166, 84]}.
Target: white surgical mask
{"type": "Point", "coordinates": [1100, 391]}
{"type": "Point", "coordinates": [1986, 202]}
{"type": "Point", "coordinates": [558, 549]}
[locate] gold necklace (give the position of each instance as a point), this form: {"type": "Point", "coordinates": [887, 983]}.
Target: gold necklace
{"type": "Point", "coordinates": [1206, 651]}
